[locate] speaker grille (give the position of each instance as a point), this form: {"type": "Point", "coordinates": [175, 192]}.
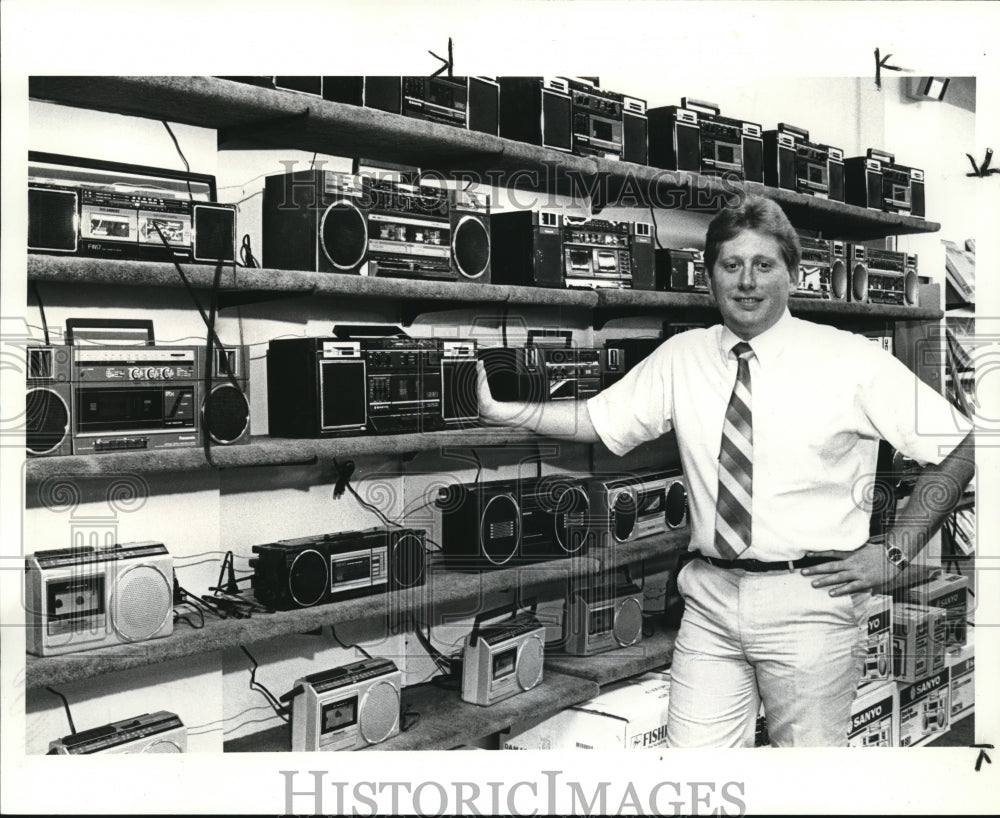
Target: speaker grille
{"type": "Point", "coordinates": [624, 513]}
{"type": "Point", "coordinates": [911, 289]}
{"type": "Point", "coordinates": [500, 529]}
{"type": "Point", "coordinates": [838, 280]}
{"type": "Point", "coordinates": [676, 511]}
{"type": "Point", "coordinates": [142, 602]}
{"type": "Point", "coordinates": [471, 247]}
{"type": "Point", "coordinates": [164, 746]}
{"type": "Point", "coordinates": [227, 414]}
{"type": "Point", "coordinates": [344, 235]}
{"type": "Point", "coordinates": [628, 622]}
{"type": "Point", "coordinates": [407, 561]}
{"type": "Point", "coordinates": [52, 220]}
{"type": "Point", "coordinates": [378, 716]}
{"type": "Point", "coordinates": [308, 578]}
{"type": "Point", "coordinates": [214, 233]}
{"type": "Point", "coordinates": [530, 660]}
{"type": "Point", "coordinates": [47, 421]}
{"type": "Point", "coordinates": [570, 520]}
{"type": "Point", "coordinates": [859, 283]}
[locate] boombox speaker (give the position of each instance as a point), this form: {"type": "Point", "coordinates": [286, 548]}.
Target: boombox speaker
{"type": "Point", "coordinates": [537, 110]}
{"type": "Point", "coordinates": [226, 410]}
{"type": "Point", "coordinates": [314, 220]}
{"type": "Point", "coordinates": [469, 214]}
{"type": "Point", "coordinates": [674, 138]}
{"type": "Point", "coordinates": [53, 216]}
{"type": "Point", "coordinates": [48, 412]}
{"type": "Point", "coordinates": [527, 248]}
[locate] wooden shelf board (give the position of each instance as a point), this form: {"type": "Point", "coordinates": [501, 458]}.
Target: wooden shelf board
{"type": "Point", "coordinates": [442, 587]}
{"type": "Point", "coordinates": [247, 115]}
{"type": "Point", "coordinates": [603, 668]}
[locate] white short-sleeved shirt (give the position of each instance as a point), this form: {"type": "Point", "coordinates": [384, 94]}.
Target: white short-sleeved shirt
{"type": "Point", "coordinates": [822, 399]}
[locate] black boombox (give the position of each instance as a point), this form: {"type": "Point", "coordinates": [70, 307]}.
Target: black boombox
{"type": "Point", "coordinates": [464, 102]}
{"type": "Point", "coordinates": [85, 207]}
{"type": "Point", "coordinates": [876, 182]}
{"type": "Point", "coordinates": [322, 221]}
{"type": "Point", "coordinates": [346, 707]}
{"type": "Point", "coordinates": [695, 136]}
{"type": "Point", "coordinates": [627, 507]}
{"type": "Point", "coordinates": [319, 387]}
{"type": "Point", "coordinates": [538, 372]}
{"type": "Point", "coordinates": [159, 732]}
{"type": "Point", "coordinates": [599, 618]}
{"type": "Point", "coordinates": [307, 571]}
{"type": "Point", "coordinates": [792, 162]}
{"type": "Point", "coordinates": [681, 270]}
{"type": "Point", "coordinates": [604, 253]}
{"type": "Point", "coordinates": [537, 110]}
{"type": "Point", "coordinates": [607, 124]}
{"type": "Point", "coordinates": [882, 276]}
{"type": "Point", "coordinates": [544, 248]}
{"type": "Point", "coordinates": [95, 399]}
{"type": "Point", "coordinates": [508, 522]}
{"type": "Point", "coordinates": [622, 354]}
{"type": "Point", "coordinates": [822, 269]}
{"type": "Point", "coordinates": [86, 597]}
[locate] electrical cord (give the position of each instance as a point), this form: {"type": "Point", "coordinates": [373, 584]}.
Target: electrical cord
{"type": "Point", "coordinates": [355, 646]}
{"type": "Point", "coordinates": [41, 309]}
{"type": "Point", "coordinates": [247, 258]}
{"type": "Point", "coordinates": [69, 716]}
{"type": "Point", "coordinates": [180, 153]}
{"type": "Point", "coordinates": [656, 228]}
{"type": "Point", "coordinates": [257, 686]}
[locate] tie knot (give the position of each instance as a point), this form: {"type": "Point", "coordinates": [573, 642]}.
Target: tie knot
{"type": "Point", "coordinates": [742, 350]}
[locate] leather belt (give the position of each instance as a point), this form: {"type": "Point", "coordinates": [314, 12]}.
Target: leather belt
{"type": "Point", "coordinates": [759, 566]}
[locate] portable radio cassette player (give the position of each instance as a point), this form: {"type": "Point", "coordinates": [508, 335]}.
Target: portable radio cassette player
{"type": "Point", "coordinates": [84, 598]}
{"type": "Point", "coordinates": [464, 102]}
{"type": "Point", "coordinates": [602, 253]}
{"type": "Point", "coordinates": [601, 618]}
{"type": "Point", "coordinates": [503, 659]}
{"type": "Point", "coordinates": [902, 186]}
{"type": "Point", "coordinates": [892, 277]}
{"type": "Point", "coordinates": [598, 120]}
{"type": "Point", "coordinates": [159, 732]}
{"type": "Point", "coordinates": [540, 372]}
{"type": "Point", "coordinates": [409, 231]}
{"type": "Point", "coordinates": [628, 507]}
{"type": "Point", "coordinates": [307, 571]}
{"type": "Point", "coordinates": [347, 707]}
{"type": "Point", "coordinates": [507, 522]}
{"type": "Point", "coordinates": [821, 274]}
{"type": "Point", "coordinates": [792, 162]}
{"type": "Point", "coordinates": [681, 270]}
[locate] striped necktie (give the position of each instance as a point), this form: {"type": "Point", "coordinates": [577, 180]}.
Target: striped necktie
{"type": "Point", "coordinates": [733, 508]}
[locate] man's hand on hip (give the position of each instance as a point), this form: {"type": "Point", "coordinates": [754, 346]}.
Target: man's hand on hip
{"type": "Point", "coordinates": [850, 572]}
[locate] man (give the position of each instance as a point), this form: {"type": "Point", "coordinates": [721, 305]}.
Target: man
{"type": "Point", "coordinates": [777, 423]}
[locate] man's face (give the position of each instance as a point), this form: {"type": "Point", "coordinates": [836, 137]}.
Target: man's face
{"type": "Point", "coordinates": [751, 283]}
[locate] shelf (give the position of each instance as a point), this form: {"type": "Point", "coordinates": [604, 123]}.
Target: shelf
{"type": "Point", "coordinates": [247, 115]}
{"type": "Point", "coordinates": [266, 451]}
{"type": "Point", "coordinates": [652, 652]}
{"type": "Point", "coordinates": [445, 720]}
{"type": "Point", "coordinates": [442, 587]}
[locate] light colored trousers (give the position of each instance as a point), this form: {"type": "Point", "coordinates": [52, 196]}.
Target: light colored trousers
{"type": "Point", "coordinates": [747, 637]}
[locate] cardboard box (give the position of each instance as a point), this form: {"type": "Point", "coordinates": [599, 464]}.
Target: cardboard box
{"type": "Point", "coordinates": [874, 720]}
{"type": "Point", "coordinates": [963, 681]}
{"type": "Point", "coordinates": [878, 659]}
{"type": "Point", "coordinates": [918, 635]}
{"type": "Point", "coordinates": [950, 592]}
{"type": "Point", "coordinates": [924, 709]}
{"type": "Point", "coordinates": [629, 716]}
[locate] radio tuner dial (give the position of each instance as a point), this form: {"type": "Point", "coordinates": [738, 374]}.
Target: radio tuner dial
{"type": "Point", "coordinates": [135, 373]}
{"type": "Point", "coordinates": [168, 372]}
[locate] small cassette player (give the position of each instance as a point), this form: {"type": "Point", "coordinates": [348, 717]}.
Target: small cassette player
{"type": "Point", "coordinates": [347, 707]}
{"type": "Point", "coordinates": [307, 571]}
{"type": "Point", "coordinates": [502, 659]}
{"type": "Point", "coordinates": [87, 597]}
{"type": "Point", "coordinates": [159, 732]}
{"type": "Point", "coordinates": [601, 618]}
{"type": "Point", "coordinates": [628, 507]}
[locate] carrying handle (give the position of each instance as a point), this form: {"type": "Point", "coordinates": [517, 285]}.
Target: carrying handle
{"type": "Point", "coordinates": [802, 133]}
{"type": "Point", "coordinates": [110, 324]}
{"type": "Point", "coordinates": [700, 105]}
{"type": "Point", "coordinates": [564, 334]}
{"type": "Point", "coordinates": [512, 608]}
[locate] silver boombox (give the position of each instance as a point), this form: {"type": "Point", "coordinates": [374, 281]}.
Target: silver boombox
{"type": "Point", "coordinates": [503, 659]}
{"type": "Point", "coordinates": [626, 507]}
{"type": "Point", "coordinates": [159, 732]}
{"type": "Point", "coordinates": [347, 707]}
{"type": "Point", "coordinates": [600, 618]}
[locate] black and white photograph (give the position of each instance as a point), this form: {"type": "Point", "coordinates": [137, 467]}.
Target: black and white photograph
{"type": "Point", "coordinates": [587, 401]}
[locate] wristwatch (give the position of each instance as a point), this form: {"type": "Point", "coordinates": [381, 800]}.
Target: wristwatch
{"type": "Point", "coordinates": [896, 557]}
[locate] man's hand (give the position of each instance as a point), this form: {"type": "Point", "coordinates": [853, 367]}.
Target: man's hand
{"type": "Point", "coordinates": [490, 411]}
{"type": "Point", "coordinates": [850, 572]}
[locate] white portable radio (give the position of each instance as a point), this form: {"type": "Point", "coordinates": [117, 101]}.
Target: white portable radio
{"type": "Point", "coordinates": [347, 707]}
{"type": "Point", "coordinates": [159, 732]}
{"type": "Point", "coordinates": [627, 507]}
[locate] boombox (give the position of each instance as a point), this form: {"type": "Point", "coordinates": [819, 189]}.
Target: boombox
{"type": "Point", "coordinates": [607, 124]}
{"type": "Point", "coordinates": [537, 373]}
{"type": "Point", "coordinates": [506, 522]}
{"type": "Point", "coordinates": [864, 181]}
{"type": "Point", "coordinates": [601, 618]}
{"type": "Point", "coordinates": [792, 162]}
{"type": "Point", "coordinates": [94, 399]}
{"type": "Point", "coordinates": [821, 275]}
{"type": "Point", "coordinates": [603, 253]}
{"type": "Point", "coordinates": [537, 110]}
{"type": "Point", "coordinates": [320, 387]}
{"type": "Point", "coordinates": [883, 276]}
{"type": "Point", "coordinates": [622, 354]}
{"type": "Point", "coordinates": [84, 598]}
{"type": "Point", "coordinates": [159, 732]}
{"type": "Point", "coordinates": [503, 659]}
{"type": "Point", "coordinates": [681, 270]}
{"type": "Point", "coordinates": [628, 507]}
{"type": "Point", "coordinates": [528, 247]}
{"type": "Point", "coordinates": [347, 707]}
{"type": "Point", "coordinates": [902, 186]}
{"type": "Point", "coordinates": [465, 102]}
{"type": "Point", "coordinates": [307, 571]}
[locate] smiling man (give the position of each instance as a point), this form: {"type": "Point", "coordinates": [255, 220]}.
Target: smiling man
{"type": "Point", "coordinates": [778, 422]}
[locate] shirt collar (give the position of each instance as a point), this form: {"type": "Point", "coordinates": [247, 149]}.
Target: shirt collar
{"type": "Point", "coordinates": [766, 346]}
